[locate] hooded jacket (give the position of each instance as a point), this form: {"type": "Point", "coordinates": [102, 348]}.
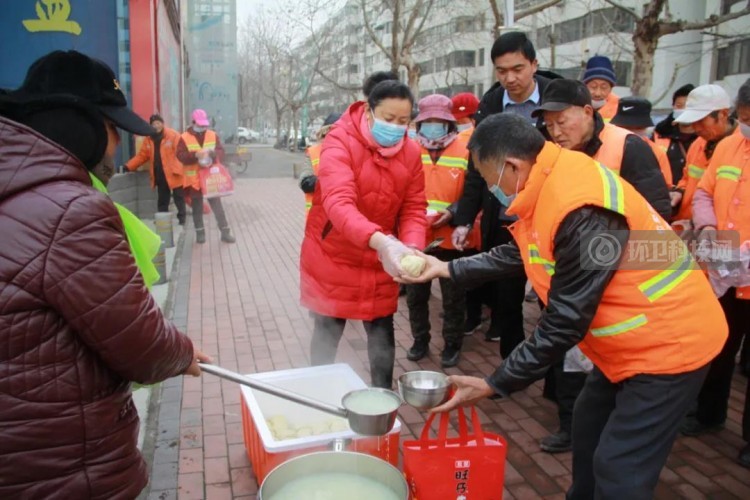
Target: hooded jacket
{"type": "Point", "coordinates": [77, 325]}
{"type": "Point", "coordinates": [359, 191]}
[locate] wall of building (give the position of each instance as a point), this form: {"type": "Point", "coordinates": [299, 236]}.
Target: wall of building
{"type": "Point", "coordinates": [729, 47]}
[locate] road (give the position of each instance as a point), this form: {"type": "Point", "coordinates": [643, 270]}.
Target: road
{"type": "Point", "coordinates": [268, 162]}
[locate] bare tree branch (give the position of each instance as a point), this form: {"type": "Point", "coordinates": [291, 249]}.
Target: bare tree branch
{"type": "Point", "coordinates": [370, 31]}
{"type": "Point", "coordinates": [624, 9]}
{"type": "Point", "coordinates": [500, 16]}
{"type": "Point", "coordinates": [408, 43]}
{"type": "Point", "coordinates": [714, 20]}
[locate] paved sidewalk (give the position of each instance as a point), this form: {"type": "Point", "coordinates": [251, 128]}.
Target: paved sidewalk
{"type": "Point", "coordinates": [240, 304]}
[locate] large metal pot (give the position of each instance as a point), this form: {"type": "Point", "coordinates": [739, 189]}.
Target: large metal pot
{"type": "Point", "coordinates": [327, 462]}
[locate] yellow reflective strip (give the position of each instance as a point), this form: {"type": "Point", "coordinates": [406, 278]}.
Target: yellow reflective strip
{"type": "Point", "coordinates": [535, 258]}
{"type": "Point", "coordinates": [426, 159]}
{"type": "Point", "coordinates": [190, 173]}
{"type": "Point", "coordinates": [614, 195]}
{"type": "Point", "coordinates": [695, 171]}
{"type": "Point", "coordinates": [437, 204]}
{"type": "Point", "coordinates": [209, 144]}
{"type": "Point", "coordinates": [728, 172]}
{"type": "Point", "coordinates": [315, 162]}
{"type": "Point", "coordinates": [193, 147]}
{"type": "Point", "coordinates": [621, 327]}
{"type": "Point", "coordinates": [664, 282]}
{"type": "Point", "coordinates": [453, 162]}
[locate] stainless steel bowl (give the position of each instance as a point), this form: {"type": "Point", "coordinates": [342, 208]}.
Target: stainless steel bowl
{"type": "Point", "coordinates": [371, 424]}
{"type": "Point", "coordinates": [423, 390]}
{"type": "Point", "coordinates": [337, 462]}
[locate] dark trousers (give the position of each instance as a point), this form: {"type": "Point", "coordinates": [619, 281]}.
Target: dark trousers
{"type": "Point", "coordinates": [567, 387]}
{"type": "Point", "coordinates": [216, 207]}
{"type": "Point", "coordinates": [474, 298]}
{"type": "Point", "coordinates": [505, 298]}
{"type": "Point", "coordinates": [454, 306]}
{"type": "Point", "coordinates": [163, 194]}
{"type": "Point", "coordinates": [714, 395]}
{"type": "Point", "coordinates": [622, 433]}
{"type": "Point", "coordinates": [381, 346]}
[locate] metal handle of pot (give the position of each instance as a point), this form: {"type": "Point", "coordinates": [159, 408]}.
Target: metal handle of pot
{"type": "Point", "coordinates": [270, 389]}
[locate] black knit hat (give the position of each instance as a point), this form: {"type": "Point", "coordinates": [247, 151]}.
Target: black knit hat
{"type": "Point", "coordinates": [79, 77]}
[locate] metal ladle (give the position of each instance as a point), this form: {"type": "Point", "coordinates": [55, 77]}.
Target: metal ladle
{"type": "Point", "coordinates": [362, 423]}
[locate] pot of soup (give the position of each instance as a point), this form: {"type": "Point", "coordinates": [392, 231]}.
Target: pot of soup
{"type": "Point", "coordinates": [334, 475]}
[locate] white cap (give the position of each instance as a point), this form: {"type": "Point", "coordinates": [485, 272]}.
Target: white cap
{"type": "Point", "coordinates": [702, 101]}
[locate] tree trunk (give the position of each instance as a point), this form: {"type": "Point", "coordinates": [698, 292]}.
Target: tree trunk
{"type": "Point", "coordinates": [414, 73]}
{"type": "Point", "coordinates": [645, 41]}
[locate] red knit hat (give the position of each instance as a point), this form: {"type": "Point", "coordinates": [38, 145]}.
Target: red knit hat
{"type": "Point", "coordinates": [464, 104]}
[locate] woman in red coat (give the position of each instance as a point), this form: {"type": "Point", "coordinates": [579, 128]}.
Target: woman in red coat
{"type": "Point", "coordinates": [370, 189]}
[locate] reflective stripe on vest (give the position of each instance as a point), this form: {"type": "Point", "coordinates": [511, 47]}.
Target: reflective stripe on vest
{"type": "Point", "coordinates": [695, 171]}
{"type": "Point", "coordinates": [437, 205]}
{"type": "Point", "coordinates": [614, 198]}
{"type": "Point", "coordinates": [535, 258]}
{"type": "Point", "coordinates": [665, 281]}
{"type": "Point", "coordinates": [447, 161]}
{"type": "Point", "coordinates": [621, 327]}
{"type": "Point", "coordinates": [729, 172]}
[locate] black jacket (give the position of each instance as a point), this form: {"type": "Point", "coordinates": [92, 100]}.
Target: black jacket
{"type": "Point", "coordinates": [476, 196]}
{"type": "Point", "coordinates": [575, 292]}
{"type": "Point", "coordinates": [679, 143]}
{"type": "Point", "coordinates": [639, 167]}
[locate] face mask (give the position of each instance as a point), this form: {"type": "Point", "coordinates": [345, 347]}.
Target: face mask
{"type": "Point", "coordinates": [463, 126]}
{"type": "Point", "coordinates": [599, 104]}
{"type": "Point", "coordinates": [412, 133]}
{"type": "Point", "coordinates": [198, 129]}
{"type": "Point", "coordinates": [503, 198]}
{"type": "Point", "coordinates": [745, 130]}
{"type": "Point", "coordinates": [677, 112]}
{"type": "Point", "coordinates": [433, 131]}
{"type": "Point", "coordinates": [387, 134]}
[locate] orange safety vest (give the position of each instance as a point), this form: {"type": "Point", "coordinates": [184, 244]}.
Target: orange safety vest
{"type": "Point", "coordinates": [191, 171]}
{"type": "Point", "coordinates": [661, 155]}
{"type": "Point", "coordinates": [695, 166]}
{"type": "Point", "coordinates": [641, 324]}
{"type": "Point", "coordinates": [609, 110]}
{"type": "Point", "coordinates": [612, 148]}
{"type": "Point", "coordinates": [313, 152]}
{"type": "Point", "coordinates": [727, 180]}
{"type": "Point", "coordinates": [444, 183]}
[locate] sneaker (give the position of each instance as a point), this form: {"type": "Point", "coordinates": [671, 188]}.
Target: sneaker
{"type": "Point", "coordinates": [744, 457]}
{"type": "Point", "coordinates": [450, 355]}
{"type": "Point", "coordinates": [472, 325]}
{"type": "Point", "coordinates": [559, 442]}
{"type": "Point", "coordinates": [418, 351]}
{"type": "Point", "coordinates": [226, 236]}
{"type": "Point", "coordinates": [200, 236]}
{"type": "Point", "coordinates": [694, 427]}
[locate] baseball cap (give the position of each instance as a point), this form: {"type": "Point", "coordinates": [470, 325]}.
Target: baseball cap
{"type": "Point", "coordinates": [633, 112]}
{"type": "Point", "coordinates": [78, 77]}
{"type": "Point", "coordinates": [435, 106]}
{"type": "Point", "coordinates": [200, 118]}
{"type": "Point", "coordinates": [561, 94]}
{"type": "Point", "coordinates": [702, 101]}
{"type": "Point", "coordinates": [465, 105]}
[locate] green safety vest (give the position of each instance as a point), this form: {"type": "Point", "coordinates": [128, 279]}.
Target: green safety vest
{"type": "Point", "coordinates": [144, 243]}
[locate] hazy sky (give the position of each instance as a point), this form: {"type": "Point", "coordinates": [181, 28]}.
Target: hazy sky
{"type": "Point", "coordinates": [247, 7]}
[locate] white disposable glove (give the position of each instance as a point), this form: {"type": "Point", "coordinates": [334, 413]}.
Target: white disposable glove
{"type": "Point", "coordinates": [459, 236]}
{"type": "Point", "coordinates": [390, 253]}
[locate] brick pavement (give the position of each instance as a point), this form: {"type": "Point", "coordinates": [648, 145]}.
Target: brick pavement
{"type": "Point", "coordinates": [240, 303]}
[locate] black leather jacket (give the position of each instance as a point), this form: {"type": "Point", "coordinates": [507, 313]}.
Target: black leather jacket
{"type": "Point", "coordinates": [574, 294]}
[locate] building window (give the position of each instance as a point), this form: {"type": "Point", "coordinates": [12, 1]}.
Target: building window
{"type": "Point", "coordinates": [480, 62]}
{"type": "Point", "coordinates": [598, 22]}
{"type": "Point", "coordinates": [726, 6]}
{"type": "Point", "coordinates": [733, 59]}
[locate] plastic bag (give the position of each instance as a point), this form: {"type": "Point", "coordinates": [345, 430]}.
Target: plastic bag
{"type": "Point", "coordinates": [727, 267]}
{"type": "Point", "coordinates": [216, 181]}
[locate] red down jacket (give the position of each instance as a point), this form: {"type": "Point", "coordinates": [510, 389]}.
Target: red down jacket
{"type": "Point", "coordinates": [76, 325]}
{"type": "Point", "coordinates": [358, 193]}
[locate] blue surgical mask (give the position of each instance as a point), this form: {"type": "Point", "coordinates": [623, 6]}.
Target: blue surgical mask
{"type": "Point", "coordinates": [745, 130]}
{"type": "Point", "coordinates": [387, 134]}
{"type": "Point", "coordinates": [464, 126]}
{"type": "Point", "coordinates": [433, 131]}
{"type": "Point", "coordinates": [198, 129]}
{"type": "Point", "coordinates": [412, 133]}
{"type": "Point", "coordinates": [503, 198]}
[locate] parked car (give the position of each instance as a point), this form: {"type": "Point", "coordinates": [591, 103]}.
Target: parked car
{"type": "Point", "coordinates": [247, 135]}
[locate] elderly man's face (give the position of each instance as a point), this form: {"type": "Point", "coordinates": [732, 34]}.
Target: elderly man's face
{"type": "Point", "coordinates": [711, 127]}
{"type": "Point", "coordinates": [571, 128]}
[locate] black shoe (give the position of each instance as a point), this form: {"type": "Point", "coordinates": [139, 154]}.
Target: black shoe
{"type": "Point", "coordinates": [472, 325]}
{"type": "Point", "coordinates": [200, 236]}
{"type": "Point", "coordinates": [559, 442]}
{"type": "Point", "coordinates": [694, 427]}
{"type": "Point", "coordinates": [450, 355]}
{"type": "Point", "coordinates": [226, 236]}
{"type": "Point", "coordinates": [418, 351]}
{"type": "Point", "coordinates": [744, 457]}
{"type": "Point", "coordinates": [492, 336]}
